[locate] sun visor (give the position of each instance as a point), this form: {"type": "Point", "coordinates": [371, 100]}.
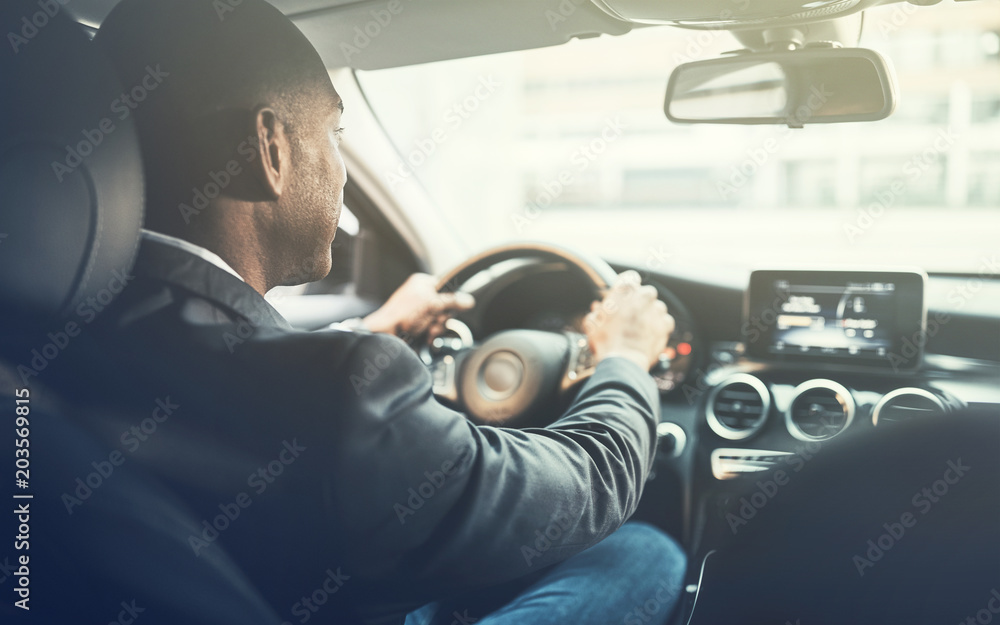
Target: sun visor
{"type": "Point", "coordinates": [369, 36]}
{"type": "Point", "coordinates": [729, 13]}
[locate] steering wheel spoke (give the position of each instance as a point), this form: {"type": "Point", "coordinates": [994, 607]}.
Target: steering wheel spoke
{"type": "Point", "coordinates": [444, 375]}
{"type": "Point", "coordinates": [517, 377]}
{"type": "Point", "coordinates": [580, 363]}
{"type": "Point", "coordinates": [443, 356]}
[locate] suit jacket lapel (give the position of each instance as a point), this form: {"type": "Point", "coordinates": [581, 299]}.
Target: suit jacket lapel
{"type": "Point", "coordinates": [181, 269]}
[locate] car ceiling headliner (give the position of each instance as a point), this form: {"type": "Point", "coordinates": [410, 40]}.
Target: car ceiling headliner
{"type": "Point", "coordinates": [424, 30]}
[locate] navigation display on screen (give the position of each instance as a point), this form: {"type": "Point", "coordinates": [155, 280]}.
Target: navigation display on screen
{"type": "Point", "coordinates": [870, 317]}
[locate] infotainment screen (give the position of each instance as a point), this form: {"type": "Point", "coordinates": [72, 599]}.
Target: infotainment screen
{"type": "Point", "coordinates": [868, 317]}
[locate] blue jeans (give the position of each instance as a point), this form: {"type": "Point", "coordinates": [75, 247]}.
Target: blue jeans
{"type": "Point", "coordinates": [633, 577]}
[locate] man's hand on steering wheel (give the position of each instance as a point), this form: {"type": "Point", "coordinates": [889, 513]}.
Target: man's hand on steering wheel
{"type": "Point", "coordinates": [417, 308]}
{"type": "Point", "coordinates": [630, 322]}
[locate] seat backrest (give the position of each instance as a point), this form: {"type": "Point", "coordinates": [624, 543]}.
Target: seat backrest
{"type": "Point", "coordinates": [70, 172]}
{"type": "Point", "coordinates": [103, 533]}
{"type": "Point", "coordinates": [898, 525]}
{"type": "Point", "coordinates": [103, 540]}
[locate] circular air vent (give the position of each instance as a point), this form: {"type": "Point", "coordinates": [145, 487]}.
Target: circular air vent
{"type": "Point", "coordinates": [737, 408]}
{"type": "Point", "coordinates": [905, 403]}
{"type": "Point", "coordinates": [820, 409]}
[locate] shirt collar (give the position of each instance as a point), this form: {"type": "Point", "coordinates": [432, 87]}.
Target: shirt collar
{"type": "Point", "coordinates": [178, 267]}
{"type": "Point", "coordinates": [191, 248]}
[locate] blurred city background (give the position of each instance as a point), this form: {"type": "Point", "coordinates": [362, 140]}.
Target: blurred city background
{"type": "Point", "coordinates": [570, 144]}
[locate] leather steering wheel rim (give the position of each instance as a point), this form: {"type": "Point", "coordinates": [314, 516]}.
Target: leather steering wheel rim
{"type": "Point", "coordinates": [596, 270]}
{"type": "Point", "coordinates": [518, 373]}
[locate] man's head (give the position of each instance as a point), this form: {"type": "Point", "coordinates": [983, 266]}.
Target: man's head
{"type": "Point", "coordinates": [239, 127]}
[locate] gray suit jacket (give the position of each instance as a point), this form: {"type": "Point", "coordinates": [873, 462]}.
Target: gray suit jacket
{"type": "Point", "coordinates": [321, 460]}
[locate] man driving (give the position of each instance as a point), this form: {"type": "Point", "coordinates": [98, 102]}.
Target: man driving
{"type": "Point", "coordinates": [400, 507]}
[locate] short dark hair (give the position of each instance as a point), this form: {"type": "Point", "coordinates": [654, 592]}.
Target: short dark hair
{"type": "Point", "coordinates": [212, 64]}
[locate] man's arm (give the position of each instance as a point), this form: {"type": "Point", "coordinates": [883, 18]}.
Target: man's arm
{"type": "Point", "coordinates": [427, 492]}
{"type": "Point", "coordinates": [455, 505]}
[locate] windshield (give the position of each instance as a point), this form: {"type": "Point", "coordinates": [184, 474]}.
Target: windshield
{"type": "Point", "coordinates": [570, 144]}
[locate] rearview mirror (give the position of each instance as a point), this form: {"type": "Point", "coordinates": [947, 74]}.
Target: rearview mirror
{"type": "Point", "coordinates": [813, 85]}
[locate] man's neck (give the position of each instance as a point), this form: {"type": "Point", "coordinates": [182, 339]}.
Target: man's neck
{"type": "Point", "coordinates": [240, 252]}
{"type": "Point", "coordinates": [247, 258]}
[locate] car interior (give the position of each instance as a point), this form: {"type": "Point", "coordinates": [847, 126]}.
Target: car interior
{"type": "Point", "coordinates": [812, 188]}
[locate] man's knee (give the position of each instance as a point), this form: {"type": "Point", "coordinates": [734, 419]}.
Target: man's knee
{"type": "Point", "coordinates": [653, 561]}
{"type": "Point", "coordinates": [649, 545]}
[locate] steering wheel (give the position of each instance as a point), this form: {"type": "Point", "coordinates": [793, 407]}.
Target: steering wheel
{"type": "Point", "coordinates": [516, 374]}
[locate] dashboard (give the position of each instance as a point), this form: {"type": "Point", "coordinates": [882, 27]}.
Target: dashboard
{"type": "Point", "coordinates": [875, 325]}
{"type": "Point", "coordinates": [793, 361]}
{"type": "Point", "coordinates": [763, 372]}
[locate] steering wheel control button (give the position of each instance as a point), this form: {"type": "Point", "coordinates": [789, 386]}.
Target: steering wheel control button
{"type": "Point", "coordinates": [500, 375]}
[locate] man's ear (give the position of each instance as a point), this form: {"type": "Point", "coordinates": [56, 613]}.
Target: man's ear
{"type": "Point", "coordinates": [275, 152]}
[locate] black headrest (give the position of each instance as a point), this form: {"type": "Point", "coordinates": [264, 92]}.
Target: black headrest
{"type": "Point", "coordinates": [70, 170]}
